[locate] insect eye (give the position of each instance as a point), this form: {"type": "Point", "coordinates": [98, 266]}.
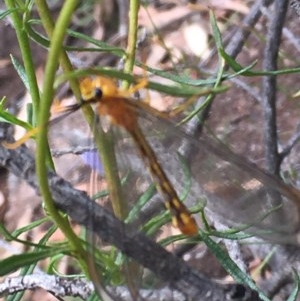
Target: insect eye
{"type": "Point", "coordinates": [98, 92]}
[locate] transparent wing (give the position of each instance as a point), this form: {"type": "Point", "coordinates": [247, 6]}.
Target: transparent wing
{"type": "Point", "coordinates": [236, 191]}
{"type": "Point", "coordinates": [232, 190]}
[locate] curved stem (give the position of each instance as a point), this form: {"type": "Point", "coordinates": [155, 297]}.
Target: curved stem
{"type": "Point", "coordinates": [26, 52]}
{"type": "Point", "coordinates": [44, 114]}
{"type": "Point", "coordinates": [132, 38]}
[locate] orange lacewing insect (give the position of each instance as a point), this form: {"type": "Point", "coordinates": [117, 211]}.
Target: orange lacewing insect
{"type": "Point", "coordinates": [125, 112]}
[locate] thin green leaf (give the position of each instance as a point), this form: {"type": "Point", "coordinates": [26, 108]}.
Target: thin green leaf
{"type": "Point", "coordinates": [21, 72]}
{"type": "Point", "coordinates": [11, 237]}
{"type": "Point", "coordinates": [15, 262]}
{"type": "Point", "coordinates": [230, 266]}
{"type": "Point", "coordinates": [233, 234]}
{"type": "Point", "coordinates": [215, 29]}
{"type": "Point", "coordinates": [5, 13]}
{"type": "Point", "coordinates": [3, 103]}
{"type": "Point", "coordinates": [29, 111]}
{"type": "Point", "coordinates": [54, 262]}
{"type": "Point", "coordinates": [28, 270]}
{"type": "Point", "coordinates": [295, 291]}
{"type": "Point", "coordinates": [151, 190]}
{"type": "Point", "coordinates": [247, 71]}
{"type": "Point", "coordinates": [101, 46]}
{"type": "Point", "coordinates": [30, 226]}
{"type": "Point", "coordinates": [180, 79]}
{"type": "Point", "coordinates": [153, 225]}
{"type": "Point", "coordinates": [36, 36]}
{"type": "Point", "coordinates": [175, 90]}
{"type": "Point", "coordinates": [187, 177]}
{"type": "Point", "coordinates": [9, 118]}
{"type": "Point", "coordinates": [172, 239]}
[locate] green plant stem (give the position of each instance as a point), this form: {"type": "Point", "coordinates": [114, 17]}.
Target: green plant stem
{"type": "Point", "coordinates": [64, 61]}
{"type": "Point", "coordinates": [44, 115]}
{"type": "Point", "coordinates": [132, 38]}
{"type": "Point", "coordinates": [109, 162]}
{"type": "Point", "coordinates": [26, 55]}
{"type": "Point", "coordinates": [106, 149]}
{"type": "Point", "coordinates": [133, 270]}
